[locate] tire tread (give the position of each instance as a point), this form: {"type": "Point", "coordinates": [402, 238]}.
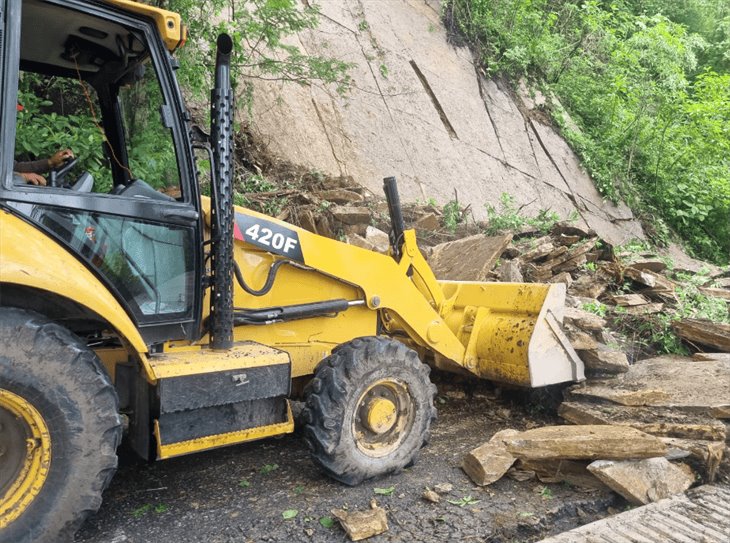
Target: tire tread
{"type": "Point", "coordinates": [336, 379]}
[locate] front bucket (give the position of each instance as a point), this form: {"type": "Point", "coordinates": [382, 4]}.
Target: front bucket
{"type": "Point", "coordinates": [512, 332]}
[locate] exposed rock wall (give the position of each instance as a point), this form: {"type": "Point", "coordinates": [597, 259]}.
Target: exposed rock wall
{"type": "Point", "coordinates": [421, 111]}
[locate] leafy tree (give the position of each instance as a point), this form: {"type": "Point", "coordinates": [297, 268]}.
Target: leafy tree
{"type": "Point", "coordinates": [645, 82]}
{"type": "Point", "coordinates": [46, 125]}
{"type": "Point", "coordinates": [263, 47]}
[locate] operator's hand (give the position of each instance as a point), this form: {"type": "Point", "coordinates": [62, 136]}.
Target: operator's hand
{"type": "Point", "coordinates": [60, 158]}
{"type": "Point", "coordinates": [33, 179]}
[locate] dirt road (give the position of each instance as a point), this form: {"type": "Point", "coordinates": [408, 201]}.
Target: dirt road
{"type": "Point", "coordinates": [239, 494]}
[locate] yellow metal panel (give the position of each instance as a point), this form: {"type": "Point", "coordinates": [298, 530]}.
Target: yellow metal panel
{"type": "Point", "coordinates": [377, 279]}
{"type": "Point", "coordinates": [221, 440]}
{"type": "Point", "coordinates": [110, 357]}
{"type": "Point", "coordinates": [30, 258]}
{"type": "Point", "coordinates": [496, 320]}
{"type": "Point", "coordinates": [177, 363]}
{"type": "Point", "coordinates": [501, 331]}
{"type": "Point", "coordinates": [512, 331]}
{"type": "Point", "coordinates": [169, 24]}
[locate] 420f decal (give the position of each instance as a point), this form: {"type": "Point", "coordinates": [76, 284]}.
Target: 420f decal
{"type": "Point", "coordinates": [269, 236]}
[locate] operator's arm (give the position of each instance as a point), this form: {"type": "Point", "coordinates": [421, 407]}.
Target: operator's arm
{"type": "Point", "coordinates": [30, 171]}
{"type": "Point", "coordinates": [35, 166]}
{"type": "Point", "coordinates": [44, 165]}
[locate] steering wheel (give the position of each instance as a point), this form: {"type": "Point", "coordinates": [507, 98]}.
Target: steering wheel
{"type": "Point", "coordinates": [57, 175]}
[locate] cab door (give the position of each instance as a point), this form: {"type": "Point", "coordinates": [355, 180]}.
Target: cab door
{"type": "Point", "coordinates": [100, 81]}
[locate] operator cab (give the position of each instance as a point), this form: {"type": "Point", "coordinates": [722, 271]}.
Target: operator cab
{"type": "Point", "coordinates": [100, 81]}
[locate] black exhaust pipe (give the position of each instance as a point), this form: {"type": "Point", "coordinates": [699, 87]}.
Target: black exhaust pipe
{"type": "Point", "coordinates": [397, 225]}
{"type": "Point", "coordinates": [221, 137]}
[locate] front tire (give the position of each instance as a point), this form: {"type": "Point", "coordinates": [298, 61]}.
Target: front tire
{"type": "Point", "coordinates": [368, 409]}
{"type": "Point", "coordinates": [59, 429]}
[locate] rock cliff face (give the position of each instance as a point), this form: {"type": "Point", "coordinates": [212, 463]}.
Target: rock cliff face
{"type": "Point", "coordinates": [421, 111]}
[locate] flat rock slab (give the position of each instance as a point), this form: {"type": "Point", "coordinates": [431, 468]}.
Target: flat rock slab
{"type": "Point", "coordinates": [656, 266]}
{"type": "Point", "coordinates": [341, 196]}
{"type": "Point", "coordinates": [657, 421]}
{"type": "Point", "coordinates": [509, 272]}
{"type": "Point", "coordinates": [574, 472]}
{"type": "Point", "coordinates": [721, 293]}
{"type": "Point", "coordinates": [429, 221]}
{"type": "Point", "coordinates": [467, 259]}
{"type": "Point", "coordinates": [360, 525]}
{"type": "Point", "coordinates": [704, 332]}
{"type": "Point", "coordinates": [487, 463]}
{"type": "Point", "coordinates": [351, 214]}
{"type": "Point", "coordinates": [604, 360]}
{"type": "Point", "coordinates": [649, 278]}
{"type": "Point", "coordinates": [359, 241]}
{"type": "Point", "coordinates": [723, 357]}
{"type": "Point", "coordinates": [645, 309]}
{"type": "Point", "coordinates": [378, 238]}
{"type": "Point", "coordinates": [704, 456]}
{"type": "Point", "coordinates": [580, 340]}
{"type": "Point", "coordinates": [667, 381]}
{"type": "Point", "coordinates": [643, 481]}
{"type": "Point", "coordinates": [588, 286]}
{"type": "Point", "coordinates": [702, 514]}
{"type": "Point", "coordinates": [583, 319]}
{"type": "Point", "coordinates": [588, 442]}
{"type": "Point", "coordinates": [629, 299]}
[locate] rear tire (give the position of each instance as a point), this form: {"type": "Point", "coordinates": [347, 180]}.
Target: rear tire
{"type": "Point", "coordinates": [368, 409]}
{"type": "Point", "coordinates": [55, 396]}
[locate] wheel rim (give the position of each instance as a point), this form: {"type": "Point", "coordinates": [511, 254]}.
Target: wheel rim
{"type": "Point", "coordinates": [25, 455]}
{"type": "Point", "coordinates": [384, 416]}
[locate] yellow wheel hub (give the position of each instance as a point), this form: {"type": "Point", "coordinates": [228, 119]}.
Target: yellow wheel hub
{"type": "Point", "coordinates": [25, 455]}
{"type": "Point", "coordinates": [381, 415]}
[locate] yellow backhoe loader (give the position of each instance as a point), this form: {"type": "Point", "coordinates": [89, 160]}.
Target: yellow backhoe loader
{"type": "Point", "coordinates": [129, 300]}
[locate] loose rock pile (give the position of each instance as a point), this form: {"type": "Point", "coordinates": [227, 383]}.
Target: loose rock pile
{"type": "Point", "coordinates": [626, 460]}
{"type": "Point", "coordinates": [647, 429]}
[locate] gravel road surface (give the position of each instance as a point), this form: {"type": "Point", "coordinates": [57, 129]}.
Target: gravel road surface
{"type": "Point", "coordinates": [239, 494]}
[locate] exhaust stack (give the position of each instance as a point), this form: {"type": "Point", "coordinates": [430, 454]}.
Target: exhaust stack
{"type": "Point", "coordinates": [221, 120]}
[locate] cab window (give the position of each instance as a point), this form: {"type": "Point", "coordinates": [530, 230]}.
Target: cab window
{"type": "Point", "coordinates": [89, 85]}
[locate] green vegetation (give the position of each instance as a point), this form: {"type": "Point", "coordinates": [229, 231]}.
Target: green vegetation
{"type": "Point", "coordinates": [546, 493]}
{"type": "Point", "coordinates": [289, 514]}
{"type": "Point", "coordinates": [597, 308]}
{"type": "Point", "coordinates": [258, 29]}
{"type": "Point", "coordinates": [44, 126]}
{"type": "Point", "coordinates": [268, 468]}
{"type": "Point", "coordinates": [508, 217]}
{"type": "Point", "coordinates": [148, 507]}
{"type": "Point", "coordinates": [656, 330]}
{"type": "Point", "coordinates": [646, 95]}
{"type": "Point", "coordinates": [142, 510]}
{"type": "Point", "coordinates": [452, 215]}
{"type": "Point", "coordinates": [387, 491]}
{"type": "Point", "coordinates": [464, 501]}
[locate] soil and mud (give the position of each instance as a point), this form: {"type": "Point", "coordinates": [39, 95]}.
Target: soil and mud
{"type": "Point", "coordinates": [240, 493]}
